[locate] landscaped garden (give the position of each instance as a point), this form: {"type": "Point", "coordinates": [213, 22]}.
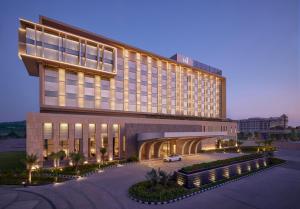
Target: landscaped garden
{"type": "Point", "coordinates": [162, 187]}
{"type": "Point", "coordinates": [18, 169]}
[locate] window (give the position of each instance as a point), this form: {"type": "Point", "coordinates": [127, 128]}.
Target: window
{"type": "Point", "coordinates": [71, 89]}
{"type": "Point", "coordinates": [78, 138]}
{"type": "Point", "coordinates": [92, 141]}
{"type": "Point", "coordinates": [89, 92]}
{"type": "Point", "coordinates": [116, 140]}
{"type": "Point", "coordinates": [105, 94]}
{"type": "Point", "coordinates": [51, 87]}
{"type": "Point", "coordinates": [63, 137]}
{"type": "Point", "coordinates": [104, 136]}
{"type": "Point", "coordinates": [48, 139]}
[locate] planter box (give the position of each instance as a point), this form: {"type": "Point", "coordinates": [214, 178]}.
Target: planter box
{"type": "Point", "coordinates": [198, 179]}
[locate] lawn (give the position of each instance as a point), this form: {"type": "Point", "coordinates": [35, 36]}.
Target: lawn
{"type": "Point", "coordinates": [12, 161]}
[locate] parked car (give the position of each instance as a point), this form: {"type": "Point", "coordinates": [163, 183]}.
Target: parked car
{"type": "Point", "coordinates": [172, 158]}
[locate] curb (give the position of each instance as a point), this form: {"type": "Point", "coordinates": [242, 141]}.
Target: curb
{"type": "Point", "coordinates": [201, 190]}
{"type": "Point", "coordinates": [71, 177]}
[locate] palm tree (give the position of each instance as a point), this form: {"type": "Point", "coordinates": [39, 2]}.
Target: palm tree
{"type": "Point", "coordinates": [56, 157]}
{"type": "Point", "coordinates": [239, 143]}
{"type": "Point", "coordinates": [77, 158]}
{"type": "Point", "coordinates": [30, 161]}
{"type": "Point", "coordinates": [103, 152]}
{"type": "Point", "coordinates": [153, 177]}
{"type": "Point", "coordinates": [258, 142]}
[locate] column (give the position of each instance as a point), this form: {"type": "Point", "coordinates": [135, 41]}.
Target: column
{"type": "Point", "coordinates": [149, 85]}
{"type": "Point", "coordinates": [223, 99]}
{"type": "Point", "coordinates": [55, 133]}
{"type": "Point", "coordinates": [178, 90]}
{"type": "Point", "coordinates": [199, 94]}
{"type": "Point", "coordinates": [71, 137]}
{"type": "Point", "coordinates": [85, 139]}
{"type": "Point", "coordinates": [110, 141]}
{"type": "Point", "coordinates": [159, 87]}
{"type": "Point", "coordinates": [112, 93]}
{"type": "Point", "coordinates": [97, 92]}
{"type": "Point", "coordinates": [80, 89]}
{"type": "Point", "coordinates": [125, 55]}
{"type": "Point", "coordinates": [61, 87]}
{"type": "Point", "coordinates": [168, 89]}
{"type": "Point", "coordinates": [138, 83]}
{"type": "Point", "coordinates": [98, 141]}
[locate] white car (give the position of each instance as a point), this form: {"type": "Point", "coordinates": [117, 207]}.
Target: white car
{"type": "Point", "coordinates": [172, 158]}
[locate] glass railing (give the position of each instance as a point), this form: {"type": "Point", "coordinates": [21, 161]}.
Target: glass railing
{"type": "Point", "coordinates": [52, 44]}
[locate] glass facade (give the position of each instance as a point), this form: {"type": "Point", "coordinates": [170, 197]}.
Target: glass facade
{"type": "Point", "coordinates": [132, 79]}
{"type": "Point", "coordinates": [141, 83]}
{"type": "Point", "coordinates": [70, 49]}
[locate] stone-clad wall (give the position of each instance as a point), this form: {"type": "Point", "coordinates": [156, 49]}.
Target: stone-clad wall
{"type": "Point", "coordinates": [129, 127]}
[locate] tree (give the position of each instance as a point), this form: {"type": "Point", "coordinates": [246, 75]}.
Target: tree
{"type": "Point", "coordinates": [153, 177]}
{"type": "Point", "coordinates": [158, 177]}
{"type": "Point", "coordinates": [30, 161]}
{"type": "Point", "coordinates": [56, 157]}
{"type": "Point", "coordinates": [258, 142]}
{"type": "Point", "coordinates": [164, 177]}
{"type": "Point", "coordinates": [77, 158]}
{"type": "Point", "coordinates": [239, 143]}
{"type": "Point", "coordinates": [103, 152]}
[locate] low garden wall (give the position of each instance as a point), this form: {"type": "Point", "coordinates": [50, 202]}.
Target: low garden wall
{"type": "Point", "coordinates": [206, 176]}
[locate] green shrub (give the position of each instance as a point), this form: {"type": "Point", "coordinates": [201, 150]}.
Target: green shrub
{"type": "Point", "coordinates": [147, 192]}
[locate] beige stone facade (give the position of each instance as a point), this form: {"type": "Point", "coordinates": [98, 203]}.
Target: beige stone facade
{"type": "Point", "coordinates": [130, 127]}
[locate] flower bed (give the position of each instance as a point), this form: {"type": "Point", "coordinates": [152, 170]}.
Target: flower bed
{"type": "Point", "coordinates": [245, 149]}
{"type": "Point", "coordinates": [145, 192]}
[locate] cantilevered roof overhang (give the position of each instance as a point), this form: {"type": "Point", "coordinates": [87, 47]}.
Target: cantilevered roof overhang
{"type": "Point", "coordinates": [151, 136]}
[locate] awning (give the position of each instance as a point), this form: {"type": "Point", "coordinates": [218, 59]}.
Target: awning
{"type": "Point", "coordinates": [161, 135]}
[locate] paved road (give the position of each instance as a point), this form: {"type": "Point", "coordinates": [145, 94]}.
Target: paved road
{"type": "Point", "coordinates": [187, 160]}
{"type": "Point", "coordinates": [277, 188]}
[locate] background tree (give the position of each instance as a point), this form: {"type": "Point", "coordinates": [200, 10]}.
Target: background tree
{"type": "Point", "coordinates": [239, 144]}
{"type": "Point", "coordinates": [30, 161]}
{"type": "Point", "coordinates": [77, 158]}
{"type": "Point", "coordinates": [259, 143]}
{"type": "Point", "coordinates": [57, 157]}
{"type": "Point", "coordinates": [103, 152]}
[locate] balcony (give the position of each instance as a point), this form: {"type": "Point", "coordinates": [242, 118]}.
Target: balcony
{"type": "Point", "coordinates": [49, 46]}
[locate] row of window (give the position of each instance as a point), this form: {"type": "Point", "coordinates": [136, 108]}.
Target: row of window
{"type": "Point", "coordinates": [209, 104]}
{"type": "Point", "coordinates": [58, 48]}
{"type": "Point", "coordinates": [77, 141]}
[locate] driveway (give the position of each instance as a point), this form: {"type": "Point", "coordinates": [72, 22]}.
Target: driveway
{"type": "Point", "coordinates": [277, 188]}
{"type": "Point", "coordinates": [186, 160]}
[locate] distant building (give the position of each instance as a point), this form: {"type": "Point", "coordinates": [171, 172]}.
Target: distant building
{"type": "Point", "coordinates": [262, 124]}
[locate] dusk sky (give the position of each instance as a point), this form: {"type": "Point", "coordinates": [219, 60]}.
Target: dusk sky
{"type": "Point", "coordinates": [256, 43]}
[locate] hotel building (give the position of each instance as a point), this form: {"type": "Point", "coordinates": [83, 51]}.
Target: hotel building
{"type": "Point", "coordinates": [97, 92]}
